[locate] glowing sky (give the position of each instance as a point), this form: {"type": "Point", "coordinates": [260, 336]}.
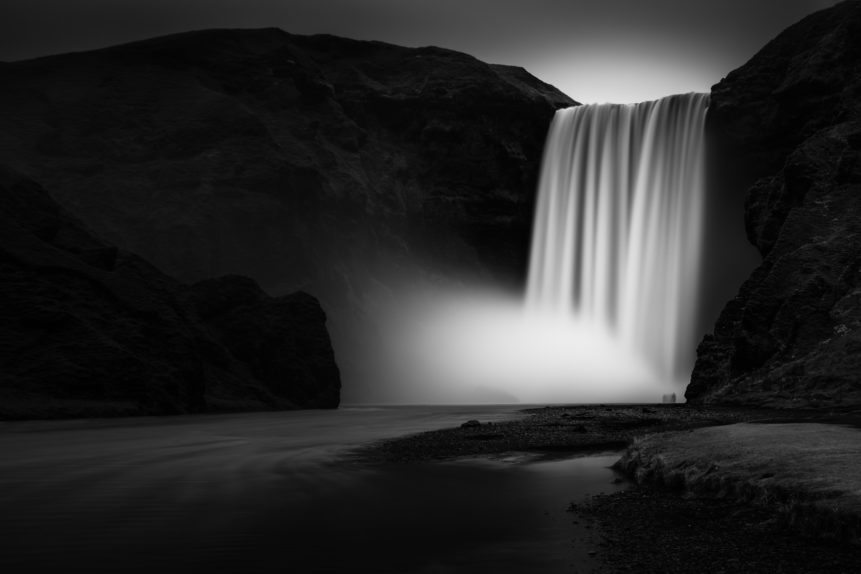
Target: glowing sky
{"type": "Point", "coordinates": [593, 50]}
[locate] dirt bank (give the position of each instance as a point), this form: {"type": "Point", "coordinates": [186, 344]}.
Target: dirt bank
{"type": "Point", "coordinates": [809, 473]}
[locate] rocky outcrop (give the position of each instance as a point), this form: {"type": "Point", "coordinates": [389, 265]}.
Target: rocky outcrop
{"type": "Point", "coordinates": [339, 167]}
{"type": "Point", "coordinates": [282, 340]}
{"type": "Point", "coordinates": [89, 329]}
{"type": "Point", "coordinates": [787, 127]}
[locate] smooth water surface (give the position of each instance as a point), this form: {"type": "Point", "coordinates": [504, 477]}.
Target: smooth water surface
{"type": "Point", "coordinates": [277, 492]}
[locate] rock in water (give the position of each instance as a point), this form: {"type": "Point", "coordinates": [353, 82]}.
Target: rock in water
{"type": "Point", "coordinates": [89, 329]}
{"type": "Point", "coordinates": [787, 127]}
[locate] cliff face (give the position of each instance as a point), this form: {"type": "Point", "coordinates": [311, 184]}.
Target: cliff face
{"type": "Point", "coordinates": [787, 127]}
{"type": "Point", "coordinates": [317, 163]}
{"type": "Point", "coordinates": [282, 341]}
{"type": "Point", "coordinates": [89, 329]}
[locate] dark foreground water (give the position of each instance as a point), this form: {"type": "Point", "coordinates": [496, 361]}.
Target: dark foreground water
{"type": "Point", "coordinates": [277, 492]}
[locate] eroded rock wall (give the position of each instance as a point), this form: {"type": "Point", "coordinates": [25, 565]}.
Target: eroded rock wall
{"type": "Point", "coordinates": [786, 127]}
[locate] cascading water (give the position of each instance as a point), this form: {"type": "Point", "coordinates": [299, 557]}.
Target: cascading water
{"type": "Point", "coordinates": [618, 224]}
{"type": "Point", "coordinates": [613, 274]}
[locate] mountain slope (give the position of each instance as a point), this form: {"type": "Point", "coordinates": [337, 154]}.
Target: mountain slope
{"type": "Point", "coordinates": [339, 167]}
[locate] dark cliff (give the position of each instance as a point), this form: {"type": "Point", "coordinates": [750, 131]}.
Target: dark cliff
{"type": "Point", "coordinates": [89, 329]}
{"type": "Point", "coordinates": [283, 340]}
{"type": "Point", "coordinates": [787, 128]}
{"type": "Point", "coordinates": [337, 167]}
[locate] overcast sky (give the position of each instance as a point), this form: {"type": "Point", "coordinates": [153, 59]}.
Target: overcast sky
{"type": "Point", "coordinates": [593, 50]}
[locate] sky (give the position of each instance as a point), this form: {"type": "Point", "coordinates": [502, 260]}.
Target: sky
{"type": "Point", "coordinates": [595, 51]}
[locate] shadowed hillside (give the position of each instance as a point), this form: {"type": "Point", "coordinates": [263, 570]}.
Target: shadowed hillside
{"type": "Point", "coordinates": [89, 329]}
{"type": "Point", "coordinates": [339, 167]}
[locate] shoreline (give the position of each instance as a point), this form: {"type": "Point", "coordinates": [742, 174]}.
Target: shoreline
{"type": "Point", "coordinates": [561, 429]}
{"type": "Point", "coordinates": [659, 525]}
{"type": "Point", "coordinates": [337, 476]}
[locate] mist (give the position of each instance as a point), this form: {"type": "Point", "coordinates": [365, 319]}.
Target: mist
{"type": "Point", "coordinates": [485, 346]}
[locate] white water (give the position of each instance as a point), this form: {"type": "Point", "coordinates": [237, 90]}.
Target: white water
{"type": "Point", "coordinates": [618, 225]}
{"type": "Point", "coordinates": [611, 295]}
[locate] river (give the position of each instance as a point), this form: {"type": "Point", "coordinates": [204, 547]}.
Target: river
{"type": "Point", "coordinates": [278, 492]}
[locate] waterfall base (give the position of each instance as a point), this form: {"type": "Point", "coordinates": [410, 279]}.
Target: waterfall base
{"type": "Point", "coordinates": [613, 277]}
{"type": "Point", "coordinates": [491, 342]}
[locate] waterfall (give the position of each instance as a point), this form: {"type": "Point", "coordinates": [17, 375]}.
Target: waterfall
{"type": "Point", "coordinates": [618, 223]}
{"type": "Point", "coordinates": [611, 298]}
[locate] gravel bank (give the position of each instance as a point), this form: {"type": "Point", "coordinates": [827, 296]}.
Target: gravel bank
{"type": "Point", "coordinates": [556, 430]}
{"type": "Point", "coordinates": [648, 530]}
